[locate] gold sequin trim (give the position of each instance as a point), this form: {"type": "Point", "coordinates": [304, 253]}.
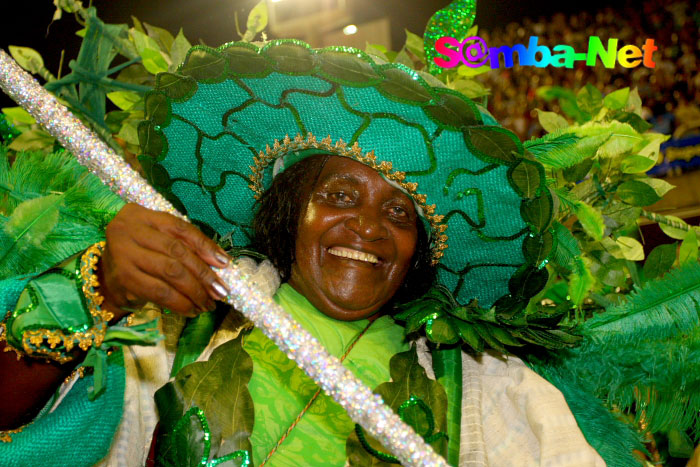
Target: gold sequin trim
{"type": "Point", "coordinates": [6, 435]}
{"type": "Point", "coordinates": [340, 148]}
{"type": "Point", "coordinates": [8, 347]}
{"type": "Point", "coordinates": [33, 340]}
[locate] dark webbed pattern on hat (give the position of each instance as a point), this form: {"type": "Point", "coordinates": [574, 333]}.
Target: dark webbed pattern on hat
{"type": "Point", "coordinates": [208, 124]}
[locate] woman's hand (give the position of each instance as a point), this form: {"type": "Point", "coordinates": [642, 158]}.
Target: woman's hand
{"type": "Point", "coordinates": [157, 257]}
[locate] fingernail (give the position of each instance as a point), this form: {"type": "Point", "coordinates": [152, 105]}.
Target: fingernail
{"type": "Point", "coordinates": [222, 258]}
{"type": "Point", "coordinates": [220, 290]}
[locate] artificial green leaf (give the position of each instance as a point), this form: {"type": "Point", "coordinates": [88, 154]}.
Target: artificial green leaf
{"type": "Point", "coordinates": [567, 247]}
{"type": "Point", "coordinates": [636, 164]}
{"type": "Point", "coordinates": [631, 248]}
{"type": "Point", "coordinates": [494, 144]}
{"type": "Point", "coordinates": [469, 72]}
{"type": "Point", "coordinates": [153, 61]}
{"type": "Point", "coordinates": [162, 36]}
{"type": "Point", "coordinates": [337, 66]}
{"type": "Point", "coordinates": [538, 212]}
{"type": "Point", "coordinates": [632, 119]}
{"type": "Point", "coordinates": [129, 131]}
{"type": "Point", "coordinates": [660, 260]}
{"type": "Point", "coordinates": [688, 251]}
{"type": "Point", "coordinates": [125, 100]}
{"type": "Point", "coordinates": [414, 44]}
{"type": "Point", "coordinates": [441, 330]}
{"type": "Point", "coordinates": [538, 247]}
{"type": "Point", "coordinates": [661, 187]}
{"type": "Point", "coordinates": [581, 281]}
{"type": "Point", "coordinates": [607, 269]}
{"type": "Point", "coordinates": [617, 99]}
{"type": "Point", "coordinates": [637, 193]}
{"type": "Point", "coordinates": [634, 102]}
{"type": "Point", "coordinates": [408, 379]}
{"type": "Point", "coordinates": [551, 121]}
{"type": "Point", "coordinates": [32, 140]}
{"type": "Point", "coordinates": [578, 172]}
{"type": "Point", "coordinates": [566, 99]}
{"type": "Point", "coordinates": [257, 21]}
{"type": "Point", "coordinates": [622, 140]}
{"type": "Point", "coordinates": [622, 214]}
{"type": "Point", "coordinates": [377, 50]}
{"type": "Point", "coordinates": [526, 178]}
{"type": "Point", "coordinates": [469, 87]}
{"type": "Point", "coordinates": [403, 58]}
{"type": "Point", "coordinates": [219, 387]}
{"type": "Point", "coordinates": [17, 115]}
{"type": "Point", "coordinates": [30, 60]}
{"type": "Point", "coordinates": [179, 49]}
{"type": "Point", "coordinates": [673, 232]}
{"type": "Point", "coordinates": [33, 219]}
{"type": "Point", "coordinates": [470, 336]}
{"type": "Point", "coordinates": [591, 220]}
{"type": "Point", "coordinates": [652, 148]}
{"type": "Point", "coordinates": [114, 120]}
{"type": "Point", "coordinates": [589, 99]}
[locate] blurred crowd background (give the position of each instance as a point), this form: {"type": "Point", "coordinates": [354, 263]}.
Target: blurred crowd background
{"type": "Point", "coordinates": [670, 92]}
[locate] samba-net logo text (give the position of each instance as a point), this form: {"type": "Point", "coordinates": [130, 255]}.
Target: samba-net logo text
{"type": "Point", "coordinates": [473, 52]}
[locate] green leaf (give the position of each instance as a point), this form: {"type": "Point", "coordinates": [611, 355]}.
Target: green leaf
{"type": "Point", "coordinates": [636, 164]}
{"type": "Point", "coordinates": [538, 247]}
{"type": "Point", "coordinates": [661, 187]}
{"type": "Point", "coordinates": [403, 58]}
{"type": "Point", "coordinates": [257, 21]}
{"type": "Point", "coordinates": [161, 36]}
{"type": "Point", "coordinates": [688, 252]}
{"type": "Point", "coordinates": [469, 72]}
{"type": "Point", "coordinates": [441, 330]}
{"type": "Point", "coordinates": [635, 121]}
{"type": "Point", "coordinates": [538, 212]}
{"type": "Point", "coordinates": [591, 220]}
{"type": "Point", "coordinates": [617, 99]}
{"type": "Point", "coordinates": [408, 379]}
{"type": "Point", "coordinates": [568, 248]}
{"type": "Point", "coordinates": [634, 103]}
{"type": "Point", "coordinates": [622, 214]}
{"type": "Point", "coordinates": [589, 99]}
{"type": "Point", "coordinates": [17, 115]}
{"type": "Point", "coordinates": [469, 87]}
{"type": "Point", "coordinates": [414, 44]}
{"type": "Point", "coordinates": [637, 193]}
{"type": "Point", "coordinates": [149, 51]}
{"type": "Point", "coordinates": [678, 234]}
{"type": "Point", "coordinates": [494, 144]}
{"type": "Point", "coordinates": [124, 99]}
{"type": "Point", "coordinates": [129, 131]}
{"type": "Point", "coordinates": [551, 121]}
{"type": "Point", "coordinates": [33, 219]}
{"type": "Point", "coordinates": [30, 60]}
{"type": "Point", "coordinates": [581, 281]}
{"type": "Point", "coordinates": [622, 139]}
{"type": "Point", "coordinates": [631, 249]}
{"type": "Point", "coordinates": [219, 387]}
{"type": "Point", "coordinates": [526, 178]}
{"type": "Point", "coordinates": [377, 50]}
{"type": "Point", "coordinates": [179, 49]}
{"type": "Point", "coordinates": [32, 140]}
{"type": "Point", "coordinates": [660, 260]}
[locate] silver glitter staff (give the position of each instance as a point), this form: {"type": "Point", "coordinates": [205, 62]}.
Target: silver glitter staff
{"type": "Point", "coordinates": [363, 407]}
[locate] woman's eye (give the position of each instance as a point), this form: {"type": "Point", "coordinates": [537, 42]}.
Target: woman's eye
{"type": "Point", "coordinates": [399, 213]}
{"type": "Point", "coordinates": [340, 197]}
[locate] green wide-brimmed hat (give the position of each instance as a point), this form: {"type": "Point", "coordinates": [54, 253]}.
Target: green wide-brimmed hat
{"type": "Point", "coordinates": [215, 129]}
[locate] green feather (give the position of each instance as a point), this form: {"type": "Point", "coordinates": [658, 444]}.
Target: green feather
{"type": "Point", "coordinates": [50, 208]}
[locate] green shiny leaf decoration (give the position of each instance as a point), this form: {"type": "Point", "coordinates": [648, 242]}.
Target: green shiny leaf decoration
{"type": "Point", "coordinates": [441, 330]}
{"type": "Point", "coordinates": [493, 144]}
{"type": "Point", "coordinates": [152, 142]}
{"type": "Point", "coordinates": [408, 379]}
{"type": "Point", "coordinates": [401, 85]}
{"type": "Point", "coordinates": [660, 260]}
{"type": "Point", "coordinates": [342, 68]}
{"type": "Point", "coordinates": [205, 65]}
{"type": "Point", "coordinates": [157, 108]}
{"type": "Point", "coordinates": [219, 387]}
{"type": "Point", "coordinates": [469, 335]}
{"type": "Point", "coordinates": [175, 86]}
{"type": "Point", "coordinates": [290, 57]}
{"type": "Point", "coordinates": [589, 99]}
{"type": "Point", "coordinates": [637, 193]}
{"type": "Point", "coordinates": [526, 177]}
{"type": "Point", "coordinates": [538, 212]}
{"type": "Point", "coordinates": [245, 61]}
{"type": "Point", "coordinates": [688, 251]}
{"type": "Point", "coordinates": [453, 111]}
{"type": "Point", "coordinates": [537, 248]}
{"type": "Point", "coordinates": [527, 282]}
{"type": "Point", "coordinates": [591, 219]}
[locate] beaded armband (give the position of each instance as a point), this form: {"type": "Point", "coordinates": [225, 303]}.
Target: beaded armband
{"type": "Point", "coordinates": [60, 311]}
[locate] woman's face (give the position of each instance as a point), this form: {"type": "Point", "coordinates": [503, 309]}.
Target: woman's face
{"type": "Point", "coordinates": [355, 241]}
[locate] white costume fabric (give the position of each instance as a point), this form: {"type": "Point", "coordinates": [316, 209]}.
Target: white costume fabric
{"type": "Point", "coordinates": [510, 415]}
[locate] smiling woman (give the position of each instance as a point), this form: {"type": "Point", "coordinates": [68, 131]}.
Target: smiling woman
{"type": "Point", "coordinates": [411, 185]}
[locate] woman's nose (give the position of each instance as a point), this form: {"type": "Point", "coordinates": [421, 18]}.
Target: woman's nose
{"type": "Point", "coordinates": [367, 227]}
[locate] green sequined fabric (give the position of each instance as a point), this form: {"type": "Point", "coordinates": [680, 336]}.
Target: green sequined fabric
{"type": "Point", "coordinates": [207, 122]}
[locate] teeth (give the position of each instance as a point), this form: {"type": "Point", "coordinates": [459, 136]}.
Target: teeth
{"type": "Point", "coordinates": [353, 254]}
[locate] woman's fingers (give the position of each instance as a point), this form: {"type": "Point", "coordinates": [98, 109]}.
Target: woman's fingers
{"type": "Point", "coordinates": [202, 245]}
{"type": "Point", "coordinates": [177, 265]}
{"type": "Point", "coordinates": [157, 291]}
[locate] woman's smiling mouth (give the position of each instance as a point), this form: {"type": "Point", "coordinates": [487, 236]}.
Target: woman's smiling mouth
{"type": "Point", "coordinates": [353, 254]}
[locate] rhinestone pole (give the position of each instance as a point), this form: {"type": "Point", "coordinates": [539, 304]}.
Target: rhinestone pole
{"type": "Point", "coordinates": [364, 407]}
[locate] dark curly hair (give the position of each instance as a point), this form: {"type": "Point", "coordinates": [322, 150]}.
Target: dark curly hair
{"type": "Point", "coordinates": [277, 219]}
